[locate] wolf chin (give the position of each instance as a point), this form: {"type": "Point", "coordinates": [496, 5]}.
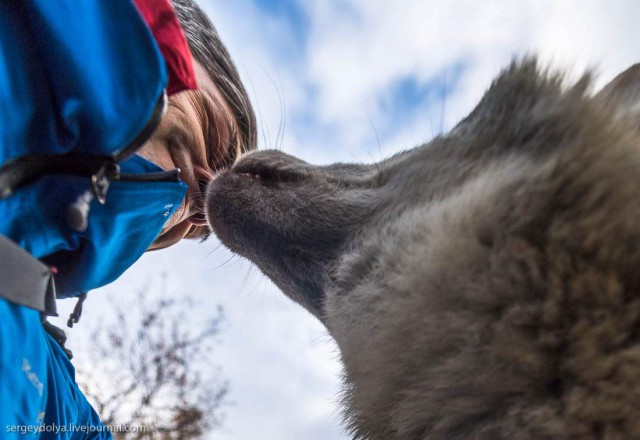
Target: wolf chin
{"type": "Point", "coordinates": [484, 285]}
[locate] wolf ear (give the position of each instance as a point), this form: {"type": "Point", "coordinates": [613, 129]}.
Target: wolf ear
{"type": "Point", "coordinates": [507, 105]}
{"type": "Point", "coordinates": [623, 93]}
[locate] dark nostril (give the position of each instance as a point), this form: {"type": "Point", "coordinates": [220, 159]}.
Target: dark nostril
{"type": "Point", "coordinates": [203, 184]}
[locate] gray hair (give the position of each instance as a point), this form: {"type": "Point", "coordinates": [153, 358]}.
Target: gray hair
{"type": "Point", "coordinates": [207, 48]}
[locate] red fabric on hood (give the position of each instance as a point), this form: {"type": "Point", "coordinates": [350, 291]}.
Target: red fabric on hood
{"type": "Point", "coordinates": [164, 25]}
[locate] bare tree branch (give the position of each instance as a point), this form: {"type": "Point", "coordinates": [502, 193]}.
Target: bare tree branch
{"type": "Point", "coordinates": [153, 368]}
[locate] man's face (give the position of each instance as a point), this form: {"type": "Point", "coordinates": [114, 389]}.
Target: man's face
{"type": "Point", "coordinates": [197, 135]}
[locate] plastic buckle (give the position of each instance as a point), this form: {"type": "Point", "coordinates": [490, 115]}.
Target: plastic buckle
{"type": "Point", "coordinates": [101, 180]}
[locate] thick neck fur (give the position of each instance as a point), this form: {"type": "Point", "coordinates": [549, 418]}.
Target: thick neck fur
{"type": "Point", "coordinates": [509, 308]}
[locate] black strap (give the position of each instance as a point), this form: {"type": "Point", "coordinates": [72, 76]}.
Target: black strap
{"type": "Point", "coordinates": [26, 169]}
{"type": "Point", "coordinates": [25, 280]}
{"type": "Point", "coordinates": [74, 317]}
{"type": "Point", "coordinates": [23, 170]}
{"type": "Point", "coordinates": [59, 335]}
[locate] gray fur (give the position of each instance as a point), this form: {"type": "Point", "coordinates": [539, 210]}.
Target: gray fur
{"type": "Point", "coordinates": [481, 286]}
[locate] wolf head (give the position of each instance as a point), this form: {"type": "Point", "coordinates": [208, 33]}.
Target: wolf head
{"type": "Point", "coordinates": [481, 286]}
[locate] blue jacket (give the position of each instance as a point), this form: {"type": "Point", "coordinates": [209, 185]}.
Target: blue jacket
{"type": "Point", "coordinates": [75, 76]}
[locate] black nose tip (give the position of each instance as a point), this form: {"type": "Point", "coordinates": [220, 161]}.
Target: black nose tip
{"type": "Point", "coordinates": [203, 184]}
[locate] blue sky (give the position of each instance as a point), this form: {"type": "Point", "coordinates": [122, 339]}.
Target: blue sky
{"type": "Point", "coordinates": [346, 71]}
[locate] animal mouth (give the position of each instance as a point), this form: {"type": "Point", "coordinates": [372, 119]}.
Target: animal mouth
{"type": "Point", "coordinates": [272, 209]}
{"type": "Point", "coordinates": [250, 206]}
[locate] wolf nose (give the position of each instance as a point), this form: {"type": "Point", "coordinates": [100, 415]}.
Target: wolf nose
{"type": "Point", "coordinates": [271, 166]}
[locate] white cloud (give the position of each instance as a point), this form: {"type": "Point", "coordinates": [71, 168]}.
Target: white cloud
{"type": "Point", "coordinates": [360, 48]}
{"type": "Point", "coordinates": [356, 51]}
